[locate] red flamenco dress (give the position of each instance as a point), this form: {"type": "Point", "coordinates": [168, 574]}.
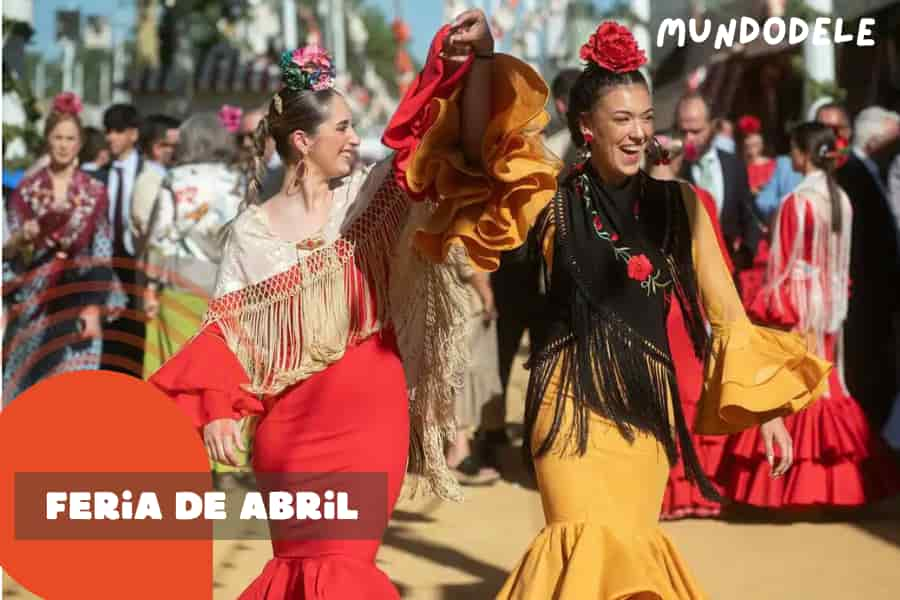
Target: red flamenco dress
{"type": "Point", "coordinates": [345, 350]}
{"type": "Point", "coordinates": [838, 460]}
{"type": "Point", "coordinates": [750, 281]}
{"type": "Point", "coordinates": [682, 498]}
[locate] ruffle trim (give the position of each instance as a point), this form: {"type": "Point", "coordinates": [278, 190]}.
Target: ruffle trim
{"type": "Point", "coordinates": [587, 560]}
{"type": "Point", "coordinates": [809, 483]}
{"type": "Point", "coordinates": [416, 113]}
{"type": "Point", "coordinates": [830, 431]}
{"type": "Point", "coordinates": [204, 393]}
{"type": "Point", "coordinates": [329, 577]}
{"type": "Point", "coordinates": [756, 374]}
{"type": "Point", "coordinates": [491, 210]}
{"type": "Point", "coordinates": [839, 461]}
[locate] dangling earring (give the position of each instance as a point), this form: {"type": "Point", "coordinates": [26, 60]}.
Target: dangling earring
{"type": "Point", "coordinates": [299, 172]}
{"type": "Point", "coordinates": [657, 153]}
{"type": "Point", "coordinates": [584, 152]}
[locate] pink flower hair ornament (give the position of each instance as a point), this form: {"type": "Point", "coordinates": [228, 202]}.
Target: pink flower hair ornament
{"type": "Point", "coordinates": [67, 103]}
{"type": "Point", "coordinates": [308, 68]}
{"type": "Point", "coordinates": [230, 117]}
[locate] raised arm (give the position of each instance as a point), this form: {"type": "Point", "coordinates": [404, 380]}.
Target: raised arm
{"type": "Point", "coordinates": [471, 34]}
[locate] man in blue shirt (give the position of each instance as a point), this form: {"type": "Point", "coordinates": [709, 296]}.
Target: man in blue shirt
{"type": "Point", "coordinates": [783, 182]}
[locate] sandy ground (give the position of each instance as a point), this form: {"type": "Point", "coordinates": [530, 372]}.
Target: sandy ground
{"type": "Point", "coordinates": [444, 551]}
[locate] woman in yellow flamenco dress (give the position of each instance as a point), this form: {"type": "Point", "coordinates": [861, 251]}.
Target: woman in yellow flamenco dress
{"type": "Point", "coordinates": [602, 422]}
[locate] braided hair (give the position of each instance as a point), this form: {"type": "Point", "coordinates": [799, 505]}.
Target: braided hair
{"type": "Point", "coordinates": [289, 110]}
{"type": "Point", "coordinates": [819, 143]}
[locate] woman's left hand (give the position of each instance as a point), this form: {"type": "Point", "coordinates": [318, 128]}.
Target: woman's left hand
{"type": "Point", "coordinates": [470, 33]}
{"type": "Point", "coordinates": [775, 433]}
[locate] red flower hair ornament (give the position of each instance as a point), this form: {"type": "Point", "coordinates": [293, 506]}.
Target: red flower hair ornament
{"type": "Point", "coordinates": [613, 48]}
{"type": "Point", "coordinates": [748, 124]}
{"type": "Point", "coordinates": [67, 103]}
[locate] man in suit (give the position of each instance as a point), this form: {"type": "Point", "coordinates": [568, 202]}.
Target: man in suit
{"type": "Point", "coordinates": [123, 342]}
{"type": "Point", "coordinates": [870, 338]}
{"type": "Point", "coordinates": [722, 174]}
{"type": "Point", "coordinates": [158, 138]}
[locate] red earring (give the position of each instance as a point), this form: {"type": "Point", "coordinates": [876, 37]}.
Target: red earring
{"type": "Point", "coordinates": [588, 137]}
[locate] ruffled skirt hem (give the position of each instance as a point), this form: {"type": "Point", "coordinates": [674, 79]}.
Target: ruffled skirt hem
{"type": "Point", "coordinates": [576, 560]}
{"type": "Point", "coordinates": [330, 577]}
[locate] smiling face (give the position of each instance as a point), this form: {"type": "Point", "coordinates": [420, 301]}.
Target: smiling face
{"type": "Point", "coordinates": [621, 123]}
{"type": "Point", "coordinates": [334, 148]}
{"type": "Point", "coordinates": [64, 143]}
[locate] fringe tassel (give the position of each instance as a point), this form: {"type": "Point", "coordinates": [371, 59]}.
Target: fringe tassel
{"type": "Point", "coordinates": [615, 373]}
{"type": "Point", "coordinates": [295, 324]}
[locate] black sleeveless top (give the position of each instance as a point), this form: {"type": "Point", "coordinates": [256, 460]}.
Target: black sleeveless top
{"type": "Point", "coordinates": [621, 255]}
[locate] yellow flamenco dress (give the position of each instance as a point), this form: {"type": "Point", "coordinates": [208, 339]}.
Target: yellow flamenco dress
{"type": "Point", "coordinates": [602, 539]}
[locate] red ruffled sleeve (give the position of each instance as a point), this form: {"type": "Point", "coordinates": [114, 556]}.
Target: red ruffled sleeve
{"type": "Point", "coordinates": [416, 112]}
{"type": "Point", "coordinates": [486, 208]}
{"type": "Point", "coordinates": [205, 379]}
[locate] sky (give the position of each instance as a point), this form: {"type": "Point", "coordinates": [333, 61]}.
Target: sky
{"type": "Point", "coordinates": [424, 18]}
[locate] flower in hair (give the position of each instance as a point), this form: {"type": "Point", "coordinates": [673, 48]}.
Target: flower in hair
{"type": "Point", "coordinates": [614, 48]}
{"type": "Point", "coordinates": [67, 103]}
{"type": "Point", "coordinates": [308, 68]}
{"type": "Point", "coordinates": [230, 117]}
{"type": "Point", "coordinates": [748, 124]}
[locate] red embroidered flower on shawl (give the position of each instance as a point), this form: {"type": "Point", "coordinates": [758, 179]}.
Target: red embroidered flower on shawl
{"type": "Point", "coordinates": [639, 267]}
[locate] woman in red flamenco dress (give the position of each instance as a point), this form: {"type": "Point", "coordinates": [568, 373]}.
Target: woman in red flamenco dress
{"type": "Point", "coordinates": [760, 169]}
{"type": "Point", "coordinates": [682, 498]}
{"type": "Point", "coordinates": [338, 327]}
{"type": "Point", "coordinates": [838, 460]}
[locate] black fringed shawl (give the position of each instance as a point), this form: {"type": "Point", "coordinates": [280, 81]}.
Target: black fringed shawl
{"type": "Point", "coordinates": [607, 311]}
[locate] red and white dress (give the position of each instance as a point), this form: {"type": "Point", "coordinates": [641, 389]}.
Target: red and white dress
{"type": "Point", "coordinates": [347, 348]}
{"type": "Point", "coordinates": [838, 460]}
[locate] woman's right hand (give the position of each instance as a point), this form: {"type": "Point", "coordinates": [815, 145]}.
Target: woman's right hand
{"type": "Point", "coordinates": [223, 441]}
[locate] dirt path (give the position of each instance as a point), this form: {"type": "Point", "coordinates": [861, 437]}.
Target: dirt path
{"type": "Point", "coordinates": [443, 551]}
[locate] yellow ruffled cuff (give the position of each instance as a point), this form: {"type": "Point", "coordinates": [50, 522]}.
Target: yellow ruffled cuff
{"type": "Point", "coordinates": [755, 374]}
{"type": "Point", "coordinates": [487, 211]}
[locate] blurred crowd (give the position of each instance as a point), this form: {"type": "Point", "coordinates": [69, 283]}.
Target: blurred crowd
{"type": "Point", "coordinates": [113, 237]}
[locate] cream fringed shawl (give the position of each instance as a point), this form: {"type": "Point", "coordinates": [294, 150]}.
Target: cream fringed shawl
{"type": "Point", "coordinates": [288, 313]}
{"type": "Point", "coordinates": [816, 284]}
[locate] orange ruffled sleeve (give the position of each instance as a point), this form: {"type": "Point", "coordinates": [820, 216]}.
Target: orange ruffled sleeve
{"type": "Point", "coordinates": [754, 374]}
{"type": "Point", "coordinates": [487, 210]}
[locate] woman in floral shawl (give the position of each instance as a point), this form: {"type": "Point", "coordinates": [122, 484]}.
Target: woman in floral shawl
{"type": "Point", "coordinates": [57, 268]}
{"type": "Point", "coordinates": [338, 320]}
